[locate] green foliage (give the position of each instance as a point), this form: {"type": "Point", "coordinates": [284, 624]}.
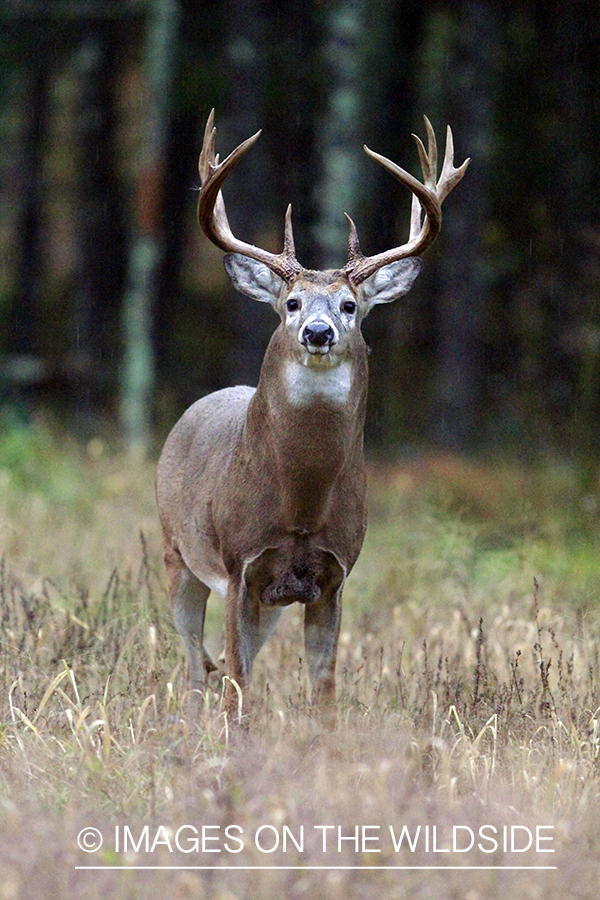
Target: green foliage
{"type": "Point", "coordinates": [34, 459]}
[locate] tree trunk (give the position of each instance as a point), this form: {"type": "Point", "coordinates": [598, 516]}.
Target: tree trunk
{"type": "Point", "coordinates": [97, 276]}
{"type": "Point", "coordinates": [340, 144]}
{"type": "Point", "coordinates": [249, 207]}
{"type": "Point", "coordinates": [146, 242]}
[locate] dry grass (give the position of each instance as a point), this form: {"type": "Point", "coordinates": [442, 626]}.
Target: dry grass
{"type": "Point", "coordinates": [468, 696]}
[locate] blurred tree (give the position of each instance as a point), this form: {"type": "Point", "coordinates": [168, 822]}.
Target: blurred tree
{"type": "Point", "coordinates": [544, 305]}
{"type": "Point", "coordinates": [93, 347]}
{"type": "Point", "coordinates": [29, 284]}
{"type": "Point", "coordinates": [249, 196]}
{"type": "Point", "coordinates": [296, 90]}
{"type": "Point", "coordinates": [459, 82]}
{"type": "Point", "coordinates": [339, 188]}
{"type": "Point", "coordinates": [146, 246]}
{"type": "Point", "coordinates": [397, 400]}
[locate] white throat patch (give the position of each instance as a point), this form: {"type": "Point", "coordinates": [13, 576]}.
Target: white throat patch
{"type": "Point", "coordinates": [307, 383]}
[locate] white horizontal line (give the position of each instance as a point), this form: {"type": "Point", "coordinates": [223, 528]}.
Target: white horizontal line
{"type": "Point", "coordinates": [324, 868]}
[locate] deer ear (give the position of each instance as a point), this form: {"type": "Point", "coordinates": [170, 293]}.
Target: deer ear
{"type": "Point", "coordinates": [391, 281]}
{"type": "Point", "coordinates": [253, 278]}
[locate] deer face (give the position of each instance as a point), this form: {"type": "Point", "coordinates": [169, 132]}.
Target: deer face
{"type": "Point", "coordinates": [321, 312]}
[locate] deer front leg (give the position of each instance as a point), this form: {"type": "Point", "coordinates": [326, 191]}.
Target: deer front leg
{"type": "Point", "coordinates": [321, 632]}
{"type": "Point", "coordinates": [242, 642]}
{"type": "Point", "coordinates": [247, 625]}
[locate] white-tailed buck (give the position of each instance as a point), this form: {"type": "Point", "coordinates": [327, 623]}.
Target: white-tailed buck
{"type": "Point", "coordinates": [261, 492]}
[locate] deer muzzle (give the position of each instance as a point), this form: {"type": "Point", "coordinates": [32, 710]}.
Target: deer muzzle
{"type": "Point", "coordinates": [318, 336]}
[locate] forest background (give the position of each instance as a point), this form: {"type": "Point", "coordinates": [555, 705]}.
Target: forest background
{"type": "Point", "coordinates": [115, 313]}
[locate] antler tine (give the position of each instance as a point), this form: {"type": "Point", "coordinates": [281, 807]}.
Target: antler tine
{"type": "Point", "coordinates": [211, 207]}
{"type": "Point", "coordinates": [450, 176]}
{"type": "Point", "coordinates": [207, 154]}
{"type": "Point", "coordinates": [288, 240]}
{"type": "Point", "coordinates": [427, 197]}
{"type": "Point", "coordinates": [354, 251]}
{"type": "Point", "coordinates": [428, 158]}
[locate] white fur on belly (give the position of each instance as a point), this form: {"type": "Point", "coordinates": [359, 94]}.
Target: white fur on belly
{"type": "Point", "coordinates": [304, 383]}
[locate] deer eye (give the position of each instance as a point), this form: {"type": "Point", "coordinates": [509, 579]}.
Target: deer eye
{"type": "Point", "coordinates": [292, 304]}
{"type": "Point", "coordinates": [349, 307]}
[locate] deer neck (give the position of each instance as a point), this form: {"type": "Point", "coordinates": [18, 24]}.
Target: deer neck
{"type": "Point", "coordinates": [308, 422]}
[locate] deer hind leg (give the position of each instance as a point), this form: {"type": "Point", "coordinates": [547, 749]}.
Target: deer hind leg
{"type": "Point", "coordinates": [321, 632]}
{"type": "Point", "coordinates": [188, 597]}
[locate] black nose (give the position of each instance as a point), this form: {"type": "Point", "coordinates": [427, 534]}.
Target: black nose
{"type": "Point", "coordinates": [318, 334]}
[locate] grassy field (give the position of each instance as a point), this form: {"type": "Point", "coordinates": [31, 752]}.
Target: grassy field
{"type": "Point", "coordinates": [468, 698]}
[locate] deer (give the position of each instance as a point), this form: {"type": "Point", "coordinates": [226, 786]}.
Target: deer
{"type": "Point", "coordinates": [261, 492]}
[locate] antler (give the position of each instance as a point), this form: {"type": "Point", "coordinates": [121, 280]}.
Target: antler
{"type": "Point", "coordinates": [211, 207]}
{"type": "Point", "coordinates": [429, 196]}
